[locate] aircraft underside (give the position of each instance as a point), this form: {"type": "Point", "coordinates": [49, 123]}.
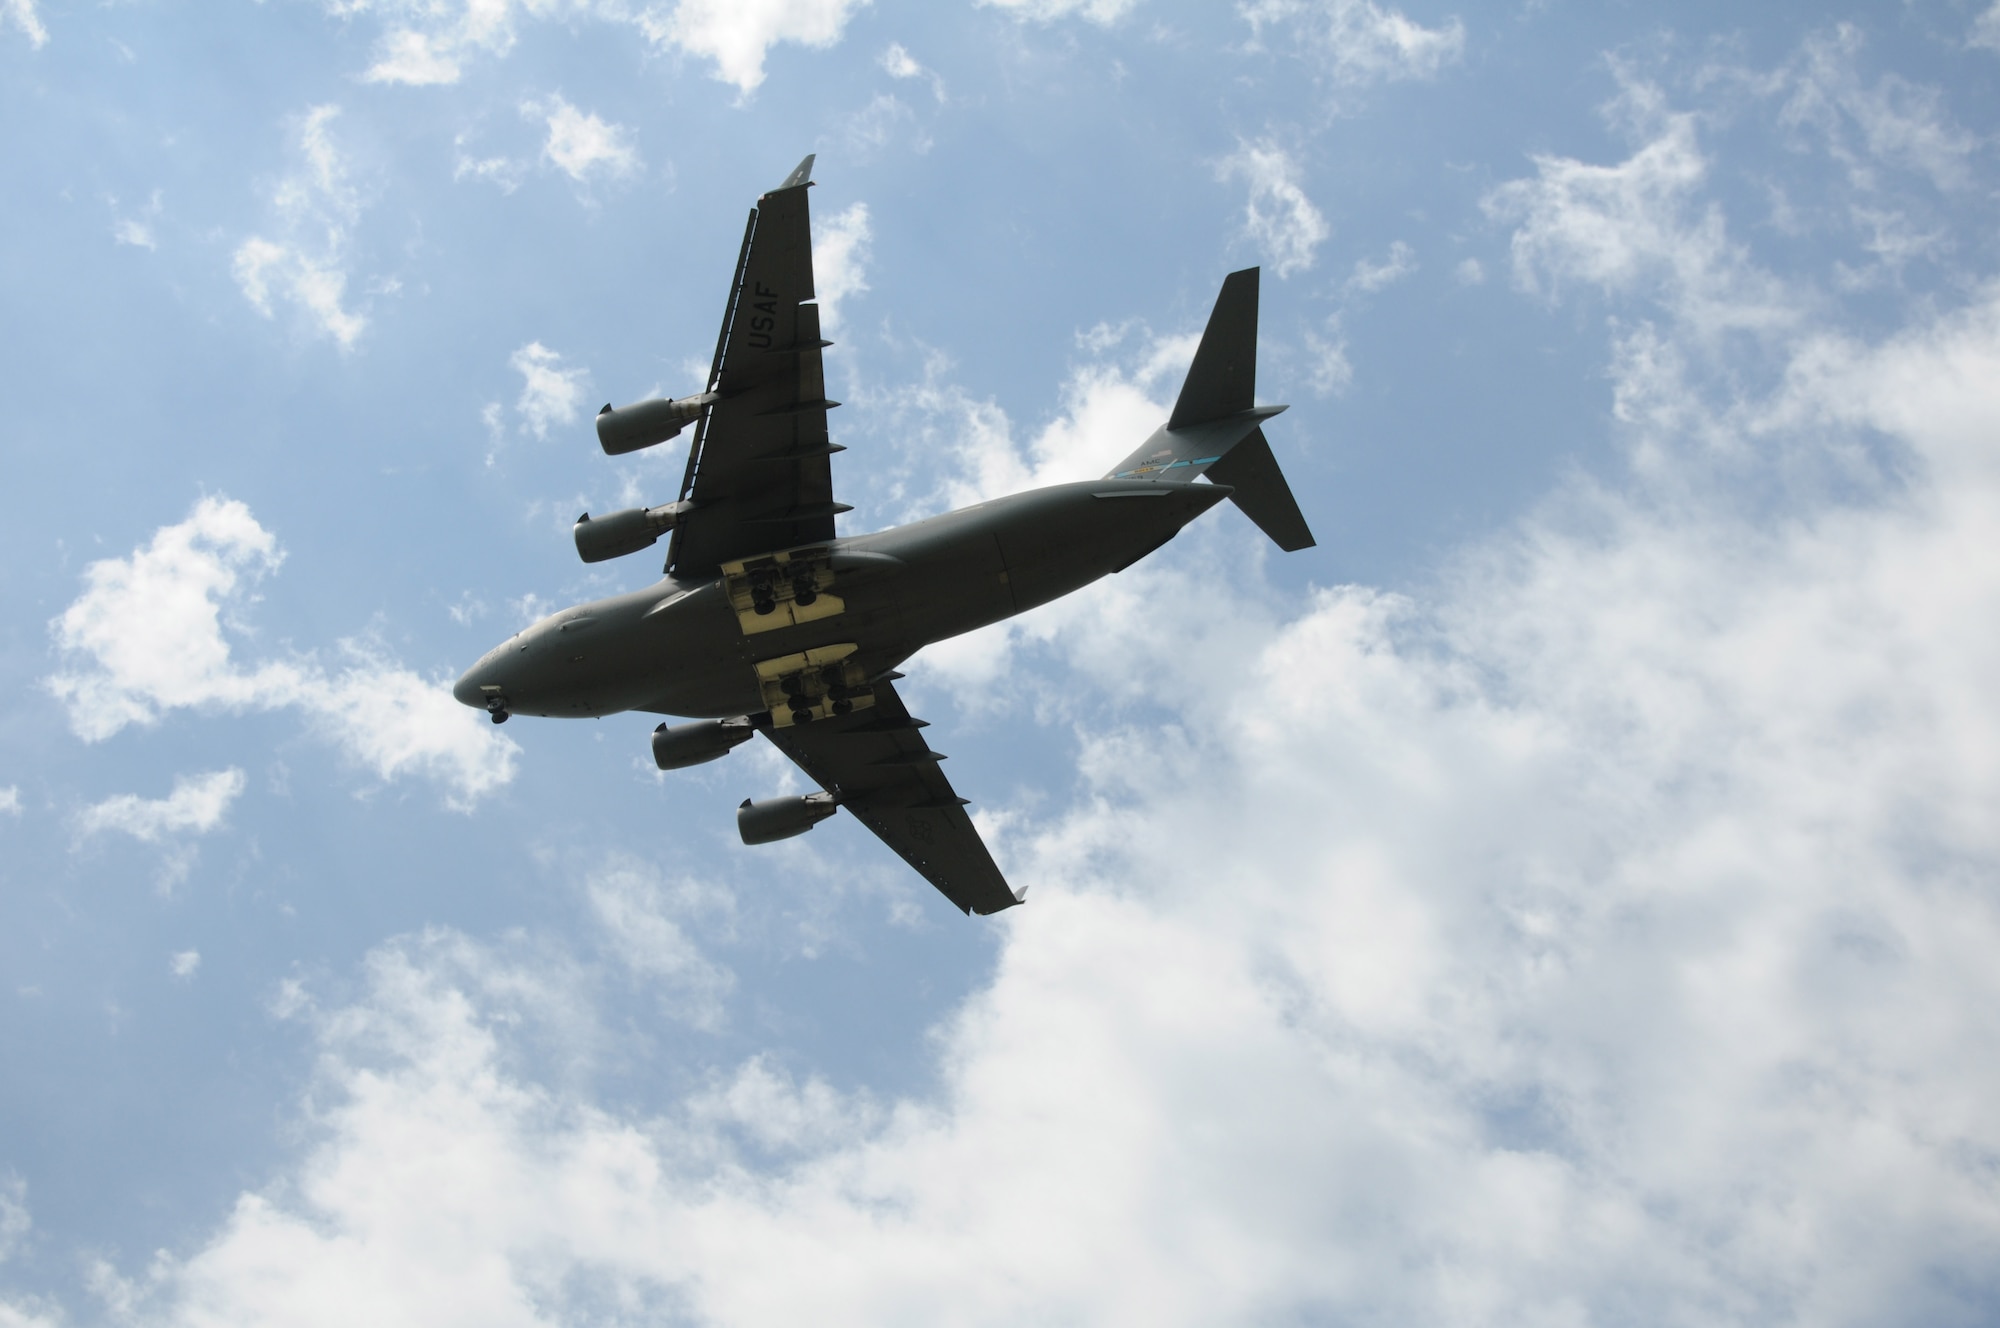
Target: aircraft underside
{"type": "Point", "coordinates": [767, 623]}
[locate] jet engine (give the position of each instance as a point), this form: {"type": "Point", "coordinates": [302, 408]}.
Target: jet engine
{"type": "Point", "coordinates": [781, 818]}
{"type": "Point", "coordinates": [624, 532]}
{"type": "Point", "coordinates": [684, 745]}
{"type": "Point", "coordinates": [630, 428]}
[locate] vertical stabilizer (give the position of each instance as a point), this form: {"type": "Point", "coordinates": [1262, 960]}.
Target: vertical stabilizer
{"type": "Point", "coordinates": [1223, 378]}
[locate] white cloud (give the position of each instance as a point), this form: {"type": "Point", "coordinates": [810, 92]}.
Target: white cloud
{"type": "Point", "coordinates": [152, 626]}
{"type": "Point", "coordinates": [396, 722]}
{"type": "Point", "coordinates": [1097, 11]}
{"type": "Point", "coordinates": [581, 145]}
{"type": "Point", "coordinates": [184, 964]}
{"type": "Point", "coordinates": [968, 448]}
{"type": "Point", "coordinates": [10, 800]}
{"type": "Point", "coordinates": [1892, 125]}
{"type": "Point", "coordinates": [1359, 41]}
{"type": "Point", "coordinates": [644, 920]}
{"type": "Point", "coordinates": [738, 34]}
{"type": "Point", "coordinates": [765, 1105]}
{"type": "Point", "coordinates": [1329, 372]}
{"type": "Point", "coordinates": [316, 209]}
{"type": "Point", "coordinates": [1986, 29]}
{"type": "Point", "coordinates": [431, 42]}
{"type": "Point", "coordinates": [427, 42]}
{"type": "Point", "coordinates": [504, 172]}
{"type": "Point", "coordinates": [147, 637]}
{"type": "Point", "coordinates": [840, 255]}
{"type": "Point", "coordinates": [16, 1316]}
{"type": "Point", "coordinates": [872, 128]}
{"type": "Point", "coordinates": [22, 14]}
{"type": "Point", "coordinates": [1371, 277]}
{"type": "Point", "coordinates": [1279, 219]}
{"type": "Point", "coordinates": [138, 231]}
{"type": "Point", "coordinates": [899, 63]}
{"type": "Point", "coordinates": [195, 807]}
{"type": "Point", "coordinates": [1470, 272]}
{"type": "Point", "coordinates": [14, 1219]}
{"type": "Point", "coordinates": [1638, 226]}
{"type": "Point", "coordinates": [550, 394]}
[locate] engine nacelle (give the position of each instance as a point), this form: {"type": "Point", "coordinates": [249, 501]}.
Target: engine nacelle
{"type": "Point", "coordinates": [624, 532]}
{"type": "Point", "coordinates": [781, 818]}
{"type": "Point", "coordinates": [684, 745]}
{"type": "Point", "coordinates": [630, 428]}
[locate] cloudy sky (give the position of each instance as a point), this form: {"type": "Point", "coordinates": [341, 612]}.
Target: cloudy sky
{"type": "Point", "coordinates": [1569, 895]}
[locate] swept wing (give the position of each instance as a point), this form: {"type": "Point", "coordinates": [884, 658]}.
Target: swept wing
{"type": "Point", "coordinates": [875, 761]}
{"type": "Point", "coordinates": [757, 473]}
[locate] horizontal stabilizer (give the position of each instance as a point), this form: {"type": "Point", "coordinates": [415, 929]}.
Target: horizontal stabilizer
{"type": "Point", "coordinates": [1260, 490]}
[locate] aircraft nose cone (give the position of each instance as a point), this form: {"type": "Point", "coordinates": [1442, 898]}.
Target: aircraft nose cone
{"type": "Point", "coordinates": [466, 691]}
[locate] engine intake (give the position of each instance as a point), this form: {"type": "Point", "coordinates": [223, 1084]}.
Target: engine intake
{"type": "Point", "coordinates": [781, 818]}
{"type": "Point", "coordinates": [684, 745]}
{"type": "Point", "coordinates": [629, 531]}
{"type": "Point", "coordinates": [630, 428]}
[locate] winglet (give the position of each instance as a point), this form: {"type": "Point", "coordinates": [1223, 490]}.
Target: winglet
{"type": "Point", "coordinates": [803, 175]}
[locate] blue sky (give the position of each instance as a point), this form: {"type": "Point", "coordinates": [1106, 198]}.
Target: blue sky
{"type": "Point", "coordinates": [1568, 894]}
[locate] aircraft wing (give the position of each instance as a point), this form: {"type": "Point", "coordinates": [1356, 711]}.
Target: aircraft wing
{"type": "Point", "coordinates": [876, 762]}
{"type": "Point", "coordinates": [758, 472]}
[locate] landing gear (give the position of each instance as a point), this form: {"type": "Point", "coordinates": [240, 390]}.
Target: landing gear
{"type": "Point", "coordinates": [496, 709]}
{"type": "Point", "coordinates": [815, 684]}
{"type": "Point", "coordinates": [781, 589]}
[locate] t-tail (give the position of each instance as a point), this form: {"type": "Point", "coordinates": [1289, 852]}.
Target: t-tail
{"type": "Point", "coordinates": [1216, 428]}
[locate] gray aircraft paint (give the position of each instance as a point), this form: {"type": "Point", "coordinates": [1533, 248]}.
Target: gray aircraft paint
{"type": "Point", "coordinates": [799, 639]}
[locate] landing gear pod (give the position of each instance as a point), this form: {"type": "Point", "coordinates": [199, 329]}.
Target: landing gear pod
{"type": "Point", "coordinates": [630, 428]}
{"type": "Point", "coordinates": [781, 818]}
{"type": "Point", "coordinates": [684, 745]}
{"type": "Point", "coordinates": [624, 532]}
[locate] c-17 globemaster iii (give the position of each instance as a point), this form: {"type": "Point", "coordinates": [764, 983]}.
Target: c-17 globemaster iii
{"type": "Point", "coordinates": [766, 622]}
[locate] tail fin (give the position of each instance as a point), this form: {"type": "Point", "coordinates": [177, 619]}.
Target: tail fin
{"type": "Point", "coordinates": [1222, 381]}
{"type": "Point", "coordinates": [1216, 426]}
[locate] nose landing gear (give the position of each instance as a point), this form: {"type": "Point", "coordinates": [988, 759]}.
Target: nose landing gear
{"type": "Point", "coordinates": [496, 709]}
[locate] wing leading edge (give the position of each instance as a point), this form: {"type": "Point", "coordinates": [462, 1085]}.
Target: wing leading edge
{"type": "Point", "coordinates": [875, 761]}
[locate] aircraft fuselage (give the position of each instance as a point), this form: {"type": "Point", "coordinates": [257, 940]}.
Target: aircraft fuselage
{"type": "Point", "coordinates": [740, 643]}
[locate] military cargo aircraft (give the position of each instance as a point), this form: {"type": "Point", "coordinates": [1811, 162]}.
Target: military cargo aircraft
{"type": "Point", "coordinates": [767, 622]}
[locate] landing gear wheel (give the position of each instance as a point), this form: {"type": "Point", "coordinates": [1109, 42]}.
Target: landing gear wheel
{"type": "Point", "coordinates": [843, 706]}
{"type": "Point", "coordinates": [803, 593]}
{"type": "Point", "coordinates": [497, 716]}
{"type": "Point", "coordinates": [764, 605]}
